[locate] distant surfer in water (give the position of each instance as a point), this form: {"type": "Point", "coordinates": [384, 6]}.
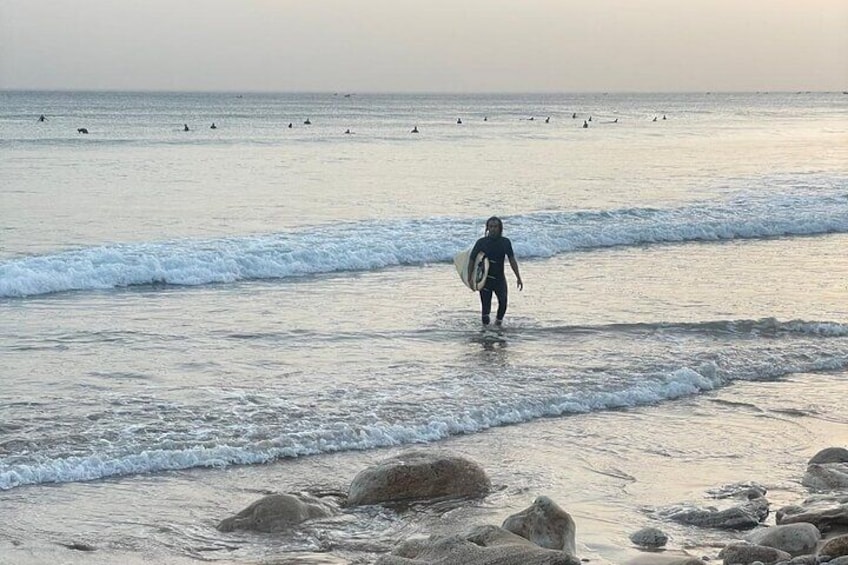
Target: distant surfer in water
{"type": "Point", "coordinates": [497, 248]}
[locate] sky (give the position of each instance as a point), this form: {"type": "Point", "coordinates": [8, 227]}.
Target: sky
{"type": "Point", "coordinates": [425, 45]}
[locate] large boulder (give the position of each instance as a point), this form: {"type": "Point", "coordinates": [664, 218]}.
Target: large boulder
{"type": "Point", "coordinates": [545, 524]}
{"type": "Point", "coordinates": [835, 547]}
{"type": "Point", "coordinates": [796, 539]}
{"type": "Point", "coordinates": [743, 553]}
{"type": "Point", "coordinates": [278, 512]}
{"type": "Point", "coordinates": [418, 475]}
{"type": "Point", "coordinates": [456, 550]}
{"type": "Point", "coordinates": [830, 455]}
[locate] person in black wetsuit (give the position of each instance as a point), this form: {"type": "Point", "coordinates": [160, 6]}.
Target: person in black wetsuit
{"type": "Point", "coordinates": [497, 249]}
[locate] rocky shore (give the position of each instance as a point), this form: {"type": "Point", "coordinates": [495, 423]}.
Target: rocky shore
{"type": "Point", "coordinates": [813, 531]}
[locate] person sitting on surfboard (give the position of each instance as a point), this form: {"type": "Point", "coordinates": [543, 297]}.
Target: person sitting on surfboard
{"type": "Point", "coordinates": [496, 248]}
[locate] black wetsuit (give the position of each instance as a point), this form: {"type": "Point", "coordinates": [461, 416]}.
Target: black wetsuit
{"type": "Point", "coordinates": [497, 250]}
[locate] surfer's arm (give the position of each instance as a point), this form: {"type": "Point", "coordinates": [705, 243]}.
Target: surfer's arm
{"type": "Point", "coordinates": [514, 264]}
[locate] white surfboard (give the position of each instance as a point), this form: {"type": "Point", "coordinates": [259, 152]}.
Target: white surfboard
{"type": "Point", "coordinates": [480, 272]}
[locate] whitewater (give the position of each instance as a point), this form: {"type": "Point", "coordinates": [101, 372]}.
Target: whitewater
{"type": "Point", "coordinates": [366, 246]}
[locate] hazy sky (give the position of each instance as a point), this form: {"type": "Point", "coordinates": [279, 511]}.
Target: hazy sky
{"type": "Point", "coordinates": [425, 45]}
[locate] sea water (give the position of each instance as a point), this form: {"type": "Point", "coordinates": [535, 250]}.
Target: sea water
{"type": "Point", "coordinates": [189, 319]}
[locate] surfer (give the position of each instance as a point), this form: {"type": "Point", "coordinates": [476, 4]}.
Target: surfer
{"type": "Point", "coordinates": [496, 248]}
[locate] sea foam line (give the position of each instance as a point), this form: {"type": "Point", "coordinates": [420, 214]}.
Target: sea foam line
{"type": "Point", "coordinates": [650, 389]}
{"type": "Point", "coordinates": [372, 245]}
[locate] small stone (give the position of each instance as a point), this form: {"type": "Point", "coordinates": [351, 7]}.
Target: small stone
{"type": "Point", "coordinates": [649, 537]}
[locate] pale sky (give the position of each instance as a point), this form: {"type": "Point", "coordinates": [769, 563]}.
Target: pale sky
{"type": "Point", "coordinates": [425, 45]}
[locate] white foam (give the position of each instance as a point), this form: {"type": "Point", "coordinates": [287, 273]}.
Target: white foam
{"type": "Point", "coordinates": [436, 423]}
{"type": "Point", "coordinates": [348, 436]}
{"type": "Point", "coordinates": [374, 245]}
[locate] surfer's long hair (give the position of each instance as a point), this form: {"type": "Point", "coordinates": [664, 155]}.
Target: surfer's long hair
{"type": "Point", "coordinates": [494, 219]}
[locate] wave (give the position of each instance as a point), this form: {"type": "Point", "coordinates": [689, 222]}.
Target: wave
{"type": "Point", "coordinates": [372, 245]}
{"type": "Point", "coordinates": [343, 436]}
{"type": "Point", "coordinates": [347, 437]}
{"type": "Point", "coordinates": [284, 431]}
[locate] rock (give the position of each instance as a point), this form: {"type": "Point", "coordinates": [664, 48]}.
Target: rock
{"type": "Point", "coordinates": [795, 539]}
{"type": "Point", "coordinates": [835, 547]}
{"type": "Point", "coordinates": [838, 561]}
{"type": "Point", "coordinates": [456, 550]}
{"type": "Point", "coordinates": [826, 476]}
{"type": "Point", "coordinates": [665, 559]}
{"type": "Point", "coordinates": [278, 512]}
{"type": "Point", "coordinates": [418, 475]}
{"type": "Point", "coordinates": [489, 536]}
{"type": "Point", "coordinates": [80, 546]}
{"type": "Point", "coordinates": [804, 560]}
{"type": "Point", "coordinates": [822, 514]}
{"type": "Point", "coordinates": [545, 524]}
{"type": "Point", "coordinates": [830, 455]}
{"type": "Point", "coordinates": [742, 517]}
{"type": "Point", "coordinates": [743, 553]}
{"type": "Point", "coordinates": [649, 537]}
{"type": "Point", "coordinates": [747, 490]}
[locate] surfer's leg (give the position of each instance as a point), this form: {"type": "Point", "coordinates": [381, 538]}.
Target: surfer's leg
{"type": "Point", "coordinates": [486, 303]}
{"type": "Point", "coordinates": [501, 292]}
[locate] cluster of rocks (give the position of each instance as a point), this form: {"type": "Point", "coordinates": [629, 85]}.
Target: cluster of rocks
{"type": "Point", "coordinates": [811, 533]}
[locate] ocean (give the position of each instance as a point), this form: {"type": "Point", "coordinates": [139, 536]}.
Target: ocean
{"type": "Point", "coordinates": [190, 319]}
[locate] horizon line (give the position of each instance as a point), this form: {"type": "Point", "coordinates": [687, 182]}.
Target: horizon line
{"type": "Point", "coordinates": [347, 93]}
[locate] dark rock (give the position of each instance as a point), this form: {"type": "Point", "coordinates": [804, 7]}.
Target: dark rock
{"type": "Point", "coordinates": [649, 537]}
{"type": "Point", "coordinates": [830, 455]}
{"type": "Point", "coordinates": [665, 559]}
{"type": "Point", "coordinates": [742, 517]}
{"type": "Point", "coordinates": [826, 476]}
{"type": "Point", "coordinates": [80, 546]}
{"type": "Point", "coordinates": [822, 514]}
